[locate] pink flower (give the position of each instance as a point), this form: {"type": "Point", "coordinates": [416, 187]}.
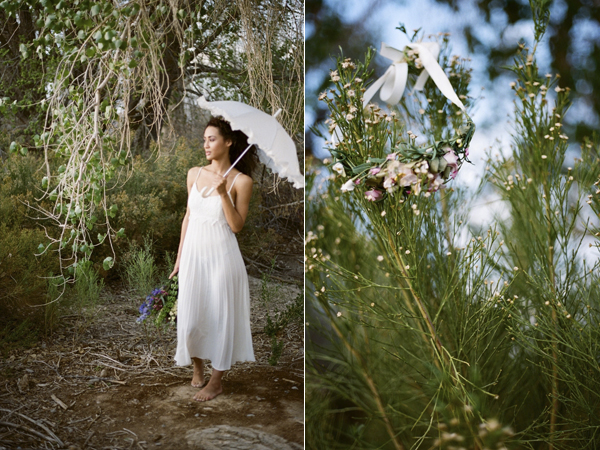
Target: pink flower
{"type": "Point", "coordinates": [375, 170]}
{"type": "Point", "coordinates": [409, 179]}
{"type": "Point", "coordinates": [391, 156]}
{"type": "Point", "coordinates": [396, 168]}
{"type": "Point", "coordinates": [467, 152]}
{"type": "Point", "coordinates": [358, 181]}
{"type": "Point", "coordinates": [452, 160]}
{"type": "Point", "coordinates": [373, 195]}
{"type": "Point", "coordinates": [436, 183]}
{"type": "Point", "coordinates": [389, 182]}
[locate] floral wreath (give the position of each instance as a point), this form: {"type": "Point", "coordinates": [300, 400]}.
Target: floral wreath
{"type": "Point", "coordinates": [406, 167]}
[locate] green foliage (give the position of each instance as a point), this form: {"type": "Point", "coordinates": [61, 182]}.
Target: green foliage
{"type": "Point", "coordinates": [88, 285]}
{"type": "Point", "coordinates": [276, 351]}
{"type": "Point", "coordinates": [169, 308]}
{"type": "Point", "coordinates": [15, 334]}
{"type": "Point", "coordinates": [140, 268]}
{"type": "Point", "coordinates": [21, 272]}
{"type": "Point", "coordinates": [54, 302]}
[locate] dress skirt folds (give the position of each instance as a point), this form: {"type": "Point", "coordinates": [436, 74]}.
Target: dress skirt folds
{"type": "Point", "coordinates": [213, 305]}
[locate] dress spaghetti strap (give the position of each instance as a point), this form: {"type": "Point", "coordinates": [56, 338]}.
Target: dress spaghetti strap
{"type": "Point", "coordinates": [197, 176]}
{"type": "Point", "coordinates": [233, 182]}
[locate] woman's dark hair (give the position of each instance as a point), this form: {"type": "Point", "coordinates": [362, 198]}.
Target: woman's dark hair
{"type": "Point", "coordinates": [239, 142]}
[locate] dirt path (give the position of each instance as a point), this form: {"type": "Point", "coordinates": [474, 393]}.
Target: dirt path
{"type": "Point", "coordinates": [103, 383]}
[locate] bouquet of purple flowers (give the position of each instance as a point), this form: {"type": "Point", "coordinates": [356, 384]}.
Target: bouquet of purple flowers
{"type": "Point", "coordinates": [161, 304]}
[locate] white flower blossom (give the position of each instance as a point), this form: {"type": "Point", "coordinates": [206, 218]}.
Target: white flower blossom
{"type": "Point", "coordinates": [339, 168]}
{"type": "Point", "coordinates": [348, 186]}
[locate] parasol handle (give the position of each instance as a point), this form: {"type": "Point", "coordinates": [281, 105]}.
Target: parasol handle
{"type": "Point", "coordinates": [210, 191]}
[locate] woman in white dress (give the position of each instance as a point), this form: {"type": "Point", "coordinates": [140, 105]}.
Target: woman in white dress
{"type": "Point", "coordinates": [213, 306]}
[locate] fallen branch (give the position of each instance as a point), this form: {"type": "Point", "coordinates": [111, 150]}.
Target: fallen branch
{"type": "Point", "coordinates": [38, 424]}
{"type": "Point", "coordinates": [59, 402]}
{"type": "Point", "coordinates": [29, 430]}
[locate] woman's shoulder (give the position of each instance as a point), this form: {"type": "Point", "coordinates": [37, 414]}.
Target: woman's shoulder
{"type": "Point", "coordinates": [243, 179]}
{"type": "Point", "coordinates": [193, 172]}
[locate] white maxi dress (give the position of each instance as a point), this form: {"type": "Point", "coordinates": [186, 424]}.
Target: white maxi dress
{"type": "Point", "coordinates": [213, 304]}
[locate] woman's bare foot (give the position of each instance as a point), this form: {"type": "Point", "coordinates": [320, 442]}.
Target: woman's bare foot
{"type": "Point", "coordinates": [198, 378]}
{"type": "Point", "coordinates": [210, 391]}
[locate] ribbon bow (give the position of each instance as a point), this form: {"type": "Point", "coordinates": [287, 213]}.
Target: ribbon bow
{"type": "Point", "coordinates": [393, 81]}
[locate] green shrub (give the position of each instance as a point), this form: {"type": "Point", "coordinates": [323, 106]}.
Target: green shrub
{"type": "Point", "coordinates": [140, 268]}
{"type": "Point", "coordinates": [15, 334]}
{"type": "Point", "coordinates": [88, 284]}
{"type": "Point", "coordinates": [276, 351]}
{"type": "Point", "coordinates": [22, 274]}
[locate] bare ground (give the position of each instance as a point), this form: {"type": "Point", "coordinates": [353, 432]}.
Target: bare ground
{"type": "Point", "coordinates": [104, 382]}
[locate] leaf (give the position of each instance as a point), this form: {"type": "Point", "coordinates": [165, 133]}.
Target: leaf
{"type": "Point", "coordinates": [24, 151]}
{"type": "Point", "coordinates": [108, 263]}
{"type": "Point", "coordinates": [133, 64]}
{"type": "Point", "coordinates": [121, 232]}
{"type": "Point", "coordinates": [95, 10]}
{"type": "Point", "coordinates": [361, 168]}
{"type": "Point", "coordinates": [44, 182]}
{"type": "Point", "coordinates": [81, 34]}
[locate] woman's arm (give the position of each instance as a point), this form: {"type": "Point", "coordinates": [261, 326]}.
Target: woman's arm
{"type": "Point", "coordinates": [242, 191]}
{"type": "Point", "coordinates": [191, 177]}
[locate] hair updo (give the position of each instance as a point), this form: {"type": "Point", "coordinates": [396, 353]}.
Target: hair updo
{"type": "Point", "coordinates": [239, 142]}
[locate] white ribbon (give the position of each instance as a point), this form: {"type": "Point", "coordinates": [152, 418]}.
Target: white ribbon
{"type": "Point", "coordinates": [393, 81]}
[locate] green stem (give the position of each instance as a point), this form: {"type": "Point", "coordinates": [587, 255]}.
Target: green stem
{"type": "Point", "coordinates": [369, 380]}
{"type": "Point", "coordinates": [555, 403]}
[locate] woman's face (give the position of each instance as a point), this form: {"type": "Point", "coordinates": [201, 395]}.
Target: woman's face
{"type": "Point", "coordinates": [215, 145]}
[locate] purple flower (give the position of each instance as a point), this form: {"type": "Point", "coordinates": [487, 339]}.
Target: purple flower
{"type": "Point", "coordinates": [373, 195]}
{"type": "Point", "coordinates": [375, 170]}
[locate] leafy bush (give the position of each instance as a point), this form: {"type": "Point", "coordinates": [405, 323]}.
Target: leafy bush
{"type": "Point", "coordinates": [88, 284]}
{"type": "Point", "coordinates": [140, 268]}
{"type": "Point", "coordinates": [21, 273]}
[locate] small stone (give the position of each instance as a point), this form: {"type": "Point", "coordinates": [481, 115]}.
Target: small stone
{"type": "Point", "coordinates": [249, 415]}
